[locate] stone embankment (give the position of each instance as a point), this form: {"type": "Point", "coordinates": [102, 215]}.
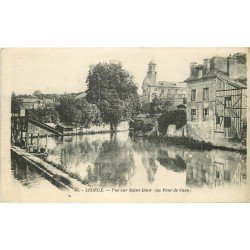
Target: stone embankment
{"type": "Point", "coordinates": [54, 175]}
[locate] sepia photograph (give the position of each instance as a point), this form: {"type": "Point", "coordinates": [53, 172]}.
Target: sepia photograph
{"type": "Point", "coordinates": [125, 125]}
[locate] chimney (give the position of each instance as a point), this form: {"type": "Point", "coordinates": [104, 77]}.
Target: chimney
{"type": "Point", "coordinates": [232, 67]}
{"type": "Point", "coordinates": [192, 69]}
{"type": "Point", "coordinates": [199, 70]}
{"type": "Point", "coordinates": [206, 65]}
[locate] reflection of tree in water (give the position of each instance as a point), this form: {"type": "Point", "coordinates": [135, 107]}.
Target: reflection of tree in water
{"type": "Point", "coordinates": [73, 154]}
{"type": "Point", "coordinates": [148, 153]}
{"type": "Point", "coordinates": [113, 166]}
{"type": "Point", "coordinates": [176, 164]}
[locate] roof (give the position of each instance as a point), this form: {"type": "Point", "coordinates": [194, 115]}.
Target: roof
{"type": "Point", "coordinates": [234, 83]}
{"type": "Point", "coordinates": [48, 100]}
{"type": "Point", "coordinates": [32, 100]}
{"type": "Point", "coordinates": [241, 57]}
{"type": "Point", "coordinates": [51, 124]}
{"type": "Point", "coordinates": [167, 84]}
{"type": "Point", "coordinates": [65, 125]}
{"type": "Point", "coordinates": [219, 74]}
{"type": "Point", "coordinates": [152, 62]}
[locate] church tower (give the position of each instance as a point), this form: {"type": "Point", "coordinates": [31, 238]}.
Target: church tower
{"type": "Point", "coordinates": [150, 79]}
{"type": "Point", "coordinates": [151, 74]}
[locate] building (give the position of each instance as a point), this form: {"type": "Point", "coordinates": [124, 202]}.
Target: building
{"type": "Point", "coordinates": [35, 103]}
{"type": "Point", "coordinates": [216, 98]}
{"type": "Point", "coordinates": [162, 89]}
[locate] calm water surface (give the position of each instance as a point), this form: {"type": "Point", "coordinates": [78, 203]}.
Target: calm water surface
{"type": "Point", "coordinates": [102, 160]}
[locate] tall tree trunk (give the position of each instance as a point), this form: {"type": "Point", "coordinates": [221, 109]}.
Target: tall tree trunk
{"type": "Point", "coordinates": [113, 128]}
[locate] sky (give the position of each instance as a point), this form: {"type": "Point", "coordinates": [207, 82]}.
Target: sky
{"type": "Point", "coordinates": [60, 70]}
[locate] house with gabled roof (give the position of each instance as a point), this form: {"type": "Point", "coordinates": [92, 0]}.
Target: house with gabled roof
{"type": "Point", "coordinates": [216, 98]}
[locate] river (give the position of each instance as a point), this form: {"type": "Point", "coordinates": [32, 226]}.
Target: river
{"type": "Point", "coordinates": [119, 161]}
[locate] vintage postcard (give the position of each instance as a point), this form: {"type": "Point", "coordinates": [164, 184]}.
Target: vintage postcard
{"type": "Point", "coordinates": [124, 125]}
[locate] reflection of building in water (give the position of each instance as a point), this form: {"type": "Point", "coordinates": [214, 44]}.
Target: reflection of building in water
{"type": "Point", "coordinates": [149, 155]}
{"type": "Point", "coordinates": [216, 169]}
{"type": "Point", "coordinates": [148, 161]}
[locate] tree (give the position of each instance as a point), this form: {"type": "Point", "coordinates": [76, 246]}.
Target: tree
{"type": "Point", "coordinates": [37, 93]}
{"type": "Point", "coordinates": [112, 89]}
{"type": "Point", "coordinates": [177, 117]}
{"type": "Point", "coordinates": [160, 105]}
{"type": "Point", "coordinates": [47, 114]}
{"type": "Point", "coordinates": [145, 108]}
{"type": "Point", "coordinates": [78, 111]}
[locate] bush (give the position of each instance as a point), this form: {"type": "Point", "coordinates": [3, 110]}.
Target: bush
{"type": "Point", "coordinates": [143, 126]}
{"type": "Point", "coordinates": [177, 117]}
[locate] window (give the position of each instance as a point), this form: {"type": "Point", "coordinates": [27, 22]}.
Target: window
{"type": "Point", "coordinates": [206, 94]}
{"type": "Point", "coordinates": [193, 115]}
{"type": "Point", "coordinates": [193, 95]}
{"type": "Point", "coordinates": [205, 114]}
{"type": "Point", "coordinates": [228, 101]}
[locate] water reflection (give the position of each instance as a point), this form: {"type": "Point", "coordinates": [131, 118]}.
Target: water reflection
{"type": "Point", "coordinates": [216, 168]}
{"type": "Point", "coordinates": [102, 160]}
{"type": "Point", "coordinates": [26, 175]}
{"type": "Point", "coordinates": [148, 153]}
{"type": "Point", "coordinates": [113, 166]}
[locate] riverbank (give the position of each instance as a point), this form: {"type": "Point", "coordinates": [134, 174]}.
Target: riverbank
{"type": "Point", "coordinates": [57, 177]}
{"type": "Point", "coordinates": [186, 142]}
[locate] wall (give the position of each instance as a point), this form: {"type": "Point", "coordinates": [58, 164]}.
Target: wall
{"type": "Point", "coordinates": [241, 70]}
{"type": "Point", "coordinates": [200, 129]}
{"type": "Point", "coordinates": [37, 130]}
{"type": "Point", "coordinates": [199, 104]}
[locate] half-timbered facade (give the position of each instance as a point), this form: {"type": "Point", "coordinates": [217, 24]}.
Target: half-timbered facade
{"type": "Point", "coordinates": [216, 102]}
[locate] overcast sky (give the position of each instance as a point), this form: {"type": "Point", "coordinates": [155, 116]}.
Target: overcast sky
{"type": "Point", "coordinates": [65, 70]}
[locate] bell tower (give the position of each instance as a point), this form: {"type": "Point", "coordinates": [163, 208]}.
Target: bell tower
{"type": "Point", "coordinates": [151, 74]}
{"type": "Point", "coordinates": [151, 67]}
{"type": "Point", "coordinates": [149, 80]}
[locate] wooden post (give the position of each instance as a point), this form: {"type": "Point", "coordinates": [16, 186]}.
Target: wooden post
{"type": "Point", "coordinates": [46, 142]}
{"type": "Point", "coordinates": [21, 129]}
{"type": "Point", "coordinates": [37, 141]}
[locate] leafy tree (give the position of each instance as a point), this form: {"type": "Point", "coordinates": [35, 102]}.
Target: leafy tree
{"type": "Point", "coordinates": [160, 105]}
{"type": "Point", "coordinates": [37, 93]}
{"type": "Point", "coordinates": [112, 89]}
{"type": "Point", "coordinates": [177, 117]}
{"type": "Point", "coordinates": [145, 108]}
{"type": "Point", "coordinates": [78, 111]}
{"type": "Point", "coordinates": [47, 114]}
